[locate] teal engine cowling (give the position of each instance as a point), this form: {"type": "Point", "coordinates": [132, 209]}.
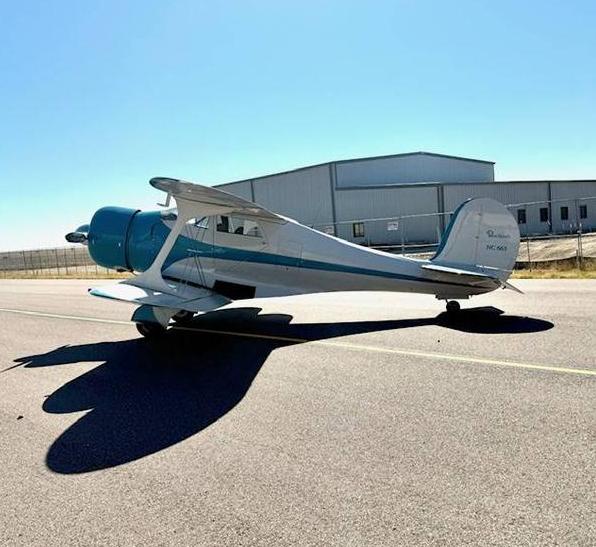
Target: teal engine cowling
{"type": "Point", "coordinates": [126, 239]}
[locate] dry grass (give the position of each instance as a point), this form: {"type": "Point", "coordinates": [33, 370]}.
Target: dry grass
{"type": "Point", "coordinates": [551, 273]}
{"type": "Point", "coordinates": [557, 269]}
{"type": "Point", "coordinates": [93, 275]}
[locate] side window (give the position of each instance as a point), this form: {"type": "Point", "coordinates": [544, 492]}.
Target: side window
{"type": "Point", "coordinates": [583, 211]}
{"type": "Point", "coordinates": [544, 214]}
{"type": "Point", "coordinates": [223, 224]}
{"type": "Point", "coordinates": [238, 226]}
{"type": "Point", "coordinates": [199, 222]}
{"type": "Point", "coordinates": [521, 216]}
{"type": "Point", "coordinates": [251, 229]}
{"type": "Point", "coordinates": [358, 229]}
{"type": "Point", "coordinates": [564, 213]}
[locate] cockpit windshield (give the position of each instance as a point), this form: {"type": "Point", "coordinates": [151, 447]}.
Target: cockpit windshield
{"type": "Point", "coordinates": [171, 215]}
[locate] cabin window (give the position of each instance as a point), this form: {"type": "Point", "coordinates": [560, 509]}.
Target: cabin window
{"type": "Point", "coordinates": [238, 226]}
{"type": "Point", "coordinates": [358, 229]}
{"type": "Point", "coordinates": [223, 224]}
{"type": "Point", "coordinates": [521, 216]}
{"type": "Point", "coordinates": [583, 211]}
{"type": "Point", "coordinates": [564, 213]}
{"type": "Point", "coordinates": [199, 222]}
{"type": "Point", "coordinates": [544, 214]}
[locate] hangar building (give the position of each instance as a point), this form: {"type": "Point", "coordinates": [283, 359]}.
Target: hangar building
{"type": "Point", "coordinates": [408, 198]}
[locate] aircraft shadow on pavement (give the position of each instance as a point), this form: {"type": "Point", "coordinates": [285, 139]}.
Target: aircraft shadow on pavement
{"type": "Point", "coordinates": [147, 396]}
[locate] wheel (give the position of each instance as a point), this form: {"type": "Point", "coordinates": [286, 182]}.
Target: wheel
{"type": "Point", "coordinates": [151, 330]}
{"type": "Point", "coordinates": [453, 306]}
{"type": "Point", "coordinates": [183, 317]}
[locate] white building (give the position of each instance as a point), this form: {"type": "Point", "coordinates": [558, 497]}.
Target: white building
{"type": "Point", "coordinates": [345, 197]}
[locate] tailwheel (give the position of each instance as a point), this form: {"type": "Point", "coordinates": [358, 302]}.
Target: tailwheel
{"type": "Point", "coordinates": [453, 306]}
{"type": "Point", "coordinates": [151, 330]}
{"type": "Point", "coordinates": [183, 317]}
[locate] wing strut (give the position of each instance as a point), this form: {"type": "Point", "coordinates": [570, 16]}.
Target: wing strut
{"type": "Point", "coordinates": [152, 278]}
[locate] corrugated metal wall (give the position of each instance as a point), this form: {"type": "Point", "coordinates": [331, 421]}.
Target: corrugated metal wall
{"type": "Point", "coordinates": [306, 195]}
{"type": "Point", "coordinates": [574, 192]}
{"type": "Point", "coordinates": [388, 203]}
{"type": "Point", "coordinates": [240, 189]}
{"type": "Point", "coordinates": [507, 193]}
{"type": "Point", "coordinates": [303, 195]}
{"type": "Point", "coordinates": [410, 169]}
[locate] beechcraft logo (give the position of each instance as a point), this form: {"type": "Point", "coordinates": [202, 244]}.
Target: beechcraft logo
{"type": "Point", "coordinates": [497, 235]}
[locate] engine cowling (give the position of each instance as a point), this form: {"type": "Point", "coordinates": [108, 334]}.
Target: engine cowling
{"type": "Point", "coordinates": [108, 237]}
{"type": "Point", "coordinates": [126, 239]}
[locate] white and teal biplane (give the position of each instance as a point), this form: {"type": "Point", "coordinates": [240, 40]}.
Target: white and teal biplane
{"type": "Point", "coordinates": [215, 247]}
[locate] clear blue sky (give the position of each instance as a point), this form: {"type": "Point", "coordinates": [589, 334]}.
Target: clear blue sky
{"type": "Point", "coordinates": [97, 97]}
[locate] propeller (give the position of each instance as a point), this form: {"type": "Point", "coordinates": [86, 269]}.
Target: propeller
{"type": "Point", "coordinates": [80, 235]}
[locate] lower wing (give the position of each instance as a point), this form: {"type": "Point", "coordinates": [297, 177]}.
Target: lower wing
{"type": "Point", "coordinates": [181, 296]}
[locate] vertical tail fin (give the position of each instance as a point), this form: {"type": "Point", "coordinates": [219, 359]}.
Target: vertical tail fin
{"type": "Point", "coordinates": [482, 236]}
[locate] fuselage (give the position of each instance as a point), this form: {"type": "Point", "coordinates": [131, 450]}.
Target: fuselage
{"type": "Point", "coordinates": [259, 258]}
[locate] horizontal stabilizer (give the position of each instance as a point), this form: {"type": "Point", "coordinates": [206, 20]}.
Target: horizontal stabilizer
{"type": "Point", "coordinates": [448, 272]}
{"type": "Point", "coordinates": [455, 271]}
{"type": "Point", "coordinates": [181, 297]}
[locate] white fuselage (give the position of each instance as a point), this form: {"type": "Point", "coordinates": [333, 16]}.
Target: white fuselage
{"type": "Point", "coordinates": [291, 258]}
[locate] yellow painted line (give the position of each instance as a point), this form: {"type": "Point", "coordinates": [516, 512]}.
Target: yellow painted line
{"type": "Point", "coordinates": [398, 351]}
{"type": "Point", "coordinates": [343, 345]}
{"type": "Point", "coordinates": [73, 317]}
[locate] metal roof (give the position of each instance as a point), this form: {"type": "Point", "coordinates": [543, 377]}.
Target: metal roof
{"type": "Point", "coordinates": [421, 153]}
{"type": "Point", "coordinates": [369, 158]}
{"type": "Point", "coordinates": [439, 183]}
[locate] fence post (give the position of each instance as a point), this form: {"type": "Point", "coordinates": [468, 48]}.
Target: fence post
{"type": "Point", "coordinates": [579, 253]}
{"type": "Point", "coordinates": [401, 231]}
{"type": "Point", "coordinates": [528, 248]}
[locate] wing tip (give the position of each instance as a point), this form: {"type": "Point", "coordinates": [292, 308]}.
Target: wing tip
{"type": "Point", "coordinates": [161, 182]}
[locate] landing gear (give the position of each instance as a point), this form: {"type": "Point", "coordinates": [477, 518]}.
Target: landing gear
{"type": "Point", "coordinates": [183, 318]}
{"type": "Point", "coordinates": [453, 306]}
{"type": "Point", "coordinates": [151, 330]}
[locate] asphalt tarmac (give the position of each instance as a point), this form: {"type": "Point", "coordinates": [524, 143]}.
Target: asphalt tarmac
{"type": "Point", "coordinates": [336, 419]}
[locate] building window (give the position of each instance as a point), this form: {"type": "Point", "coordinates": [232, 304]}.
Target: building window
{"type": "Point", "coordinates": [543, 214]}
{"type": "Point", "coordinates": [583, 211]}
{"type": "Point", "coordinates": [358, 229]}
{"type": "Point", "coordinates": [564, 213]}
{"type": "Point", "coordinates": [521, 216]}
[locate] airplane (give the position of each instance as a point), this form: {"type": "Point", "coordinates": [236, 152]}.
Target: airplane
{"type": "Point", "coordinates": [215, 247]}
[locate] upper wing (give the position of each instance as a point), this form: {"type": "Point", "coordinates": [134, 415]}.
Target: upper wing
{"type": "Point", "coordinates": [209, 198]}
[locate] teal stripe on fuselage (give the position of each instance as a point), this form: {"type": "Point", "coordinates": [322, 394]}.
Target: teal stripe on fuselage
{"type": "Point", "coordinates": [186, 246]}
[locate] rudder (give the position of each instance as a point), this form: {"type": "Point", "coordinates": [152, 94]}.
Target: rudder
{"type": "Point", "coordinates": [483, 236]}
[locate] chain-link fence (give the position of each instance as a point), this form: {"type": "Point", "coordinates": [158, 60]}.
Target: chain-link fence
{"type": "Point", "coordinates": [56, 262]}
{"type": "Point", "coordinates": [561, 230]}
{"type": "Point", "coordinates": [554, 230]}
